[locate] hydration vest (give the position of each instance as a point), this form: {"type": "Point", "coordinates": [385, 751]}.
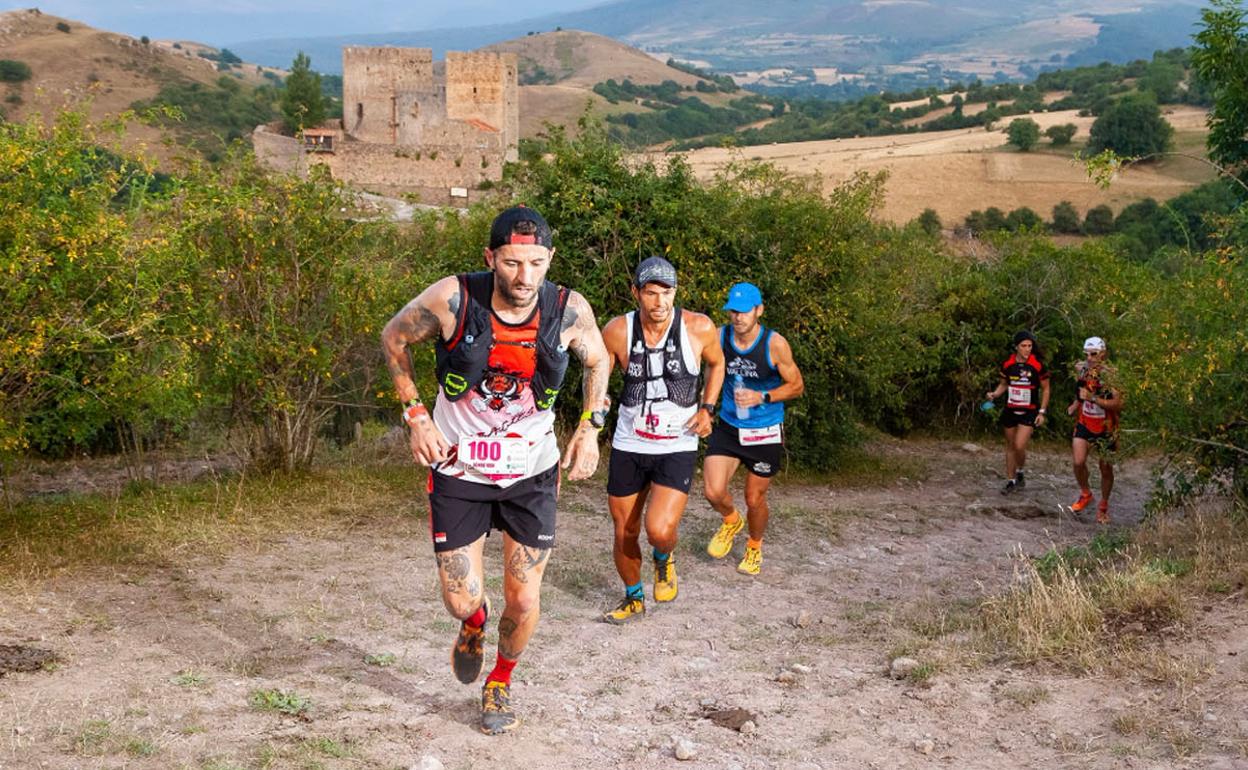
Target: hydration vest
{"type": "Point", "coordinates": [679, 384]}
{"type": "Point", "coordinates": [463, 361]}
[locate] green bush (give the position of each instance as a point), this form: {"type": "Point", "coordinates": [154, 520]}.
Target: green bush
{"type": "Point", "coordinates": [1066, 219]}
{"type": "Point", "coordinates": [90, 319]}
{"type": "Point", "coordinates": [1061, 135]}
{"type": "Point", "coordinates": [12, 71]}
{"type": "Point", "coordinates": [1132, 127]}
{"type": "Point", "coordinates": [290, 298]}
{"type": "Point", "coordinates": [1023, 133]}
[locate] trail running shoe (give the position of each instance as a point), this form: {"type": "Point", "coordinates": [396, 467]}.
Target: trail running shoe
{"type": "Point", "coordinates": [1020, 481]}
{"type": "Point", "coordinates": [467, 654]}
{"type": "Point", "coordinates": [665, 579]}
{"type": "Point", "coordinates": [1102, 512]}
{"type": "Point", "coordinates": [1085, 499]}
{"type": "Point", "coordinates": [1008, 488]}
{"type": "Point", "coordinates": [721, 543]}
{"type": "Point", "coordinates": [497, 716]}
{"type": "Point", "coordinates": [629, 609]}
{"type": "Point", "coordinates": [753, 561]}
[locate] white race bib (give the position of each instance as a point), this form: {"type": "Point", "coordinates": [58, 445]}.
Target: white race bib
{"type": "Point", "coordinates": [1093, 410]}
{"type": "Point", "coordinates": [1019, 396]}
{"type": "Point", "coordinates": [755, 436]}
{"type": "Point", "coordinates": [658, 425]}
{"type": "Point", "coordinates": [498, 457]}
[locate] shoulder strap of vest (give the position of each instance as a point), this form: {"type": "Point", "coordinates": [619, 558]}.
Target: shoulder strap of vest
{"type": "Point", "coordinates": [462, 314]}
{"type": "Point", "coordinates": [723, 341]}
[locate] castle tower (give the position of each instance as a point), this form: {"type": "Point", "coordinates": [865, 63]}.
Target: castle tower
{"type": "Point", "coordinates": [482, 89]}
{"type": "Point", "coordinates": [381, 87]}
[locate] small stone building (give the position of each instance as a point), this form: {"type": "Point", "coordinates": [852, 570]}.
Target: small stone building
{"type": "Point", "coordinates": [412, 125]}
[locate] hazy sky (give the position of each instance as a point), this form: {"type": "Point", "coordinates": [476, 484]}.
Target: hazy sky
{"type": "Point", "coordinates": [224, 21]}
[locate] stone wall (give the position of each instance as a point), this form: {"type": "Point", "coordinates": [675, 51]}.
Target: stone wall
{"type": "Point", "coordinates": [283, 153]}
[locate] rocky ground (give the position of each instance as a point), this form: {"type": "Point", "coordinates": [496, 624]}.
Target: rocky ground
{"type": "Point", "coordinates": [330, 650]}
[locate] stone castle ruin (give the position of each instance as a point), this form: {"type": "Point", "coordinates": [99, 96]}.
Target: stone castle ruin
{"type": "Point", "coordinates": [412, 125]}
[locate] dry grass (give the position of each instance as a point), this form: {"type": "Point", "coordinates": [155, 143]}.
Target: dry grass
{"type": "Point", "coordinates": [145, 525]}
{"type": "Point", "coordinates": [1106, 611]}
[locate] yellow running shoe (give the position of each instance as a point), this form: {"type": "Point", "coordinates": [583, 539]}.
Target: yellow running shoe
{"type": "Point", "coordinates": [497, 716]}
{"type": "Point", "coordinates": [753, 561]}
{"type": "Point", "coordinates": [721, 543]}
{"type": "Point", "coordinates": [665, 579]}
{"type": "Point", "coordinates": [629, 609]}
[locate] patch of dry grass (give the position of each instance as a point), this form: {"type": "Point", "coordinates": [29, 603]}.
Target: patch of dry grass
{"type": "Point", "coordinates": [1106, 613]}
{"type": "Point", "coordinates": [151, 525]}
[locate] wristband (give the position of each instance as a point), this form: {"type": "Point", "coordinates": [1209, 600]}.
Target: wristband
{"type": "Point", "coordinates": [766, 396]}
{"type": "Point", "coordinates": [415, 412]}
{"type": "Point", "coordinates": [1044, 411]}
{"type": "Point", "coordinates": [709, 407]}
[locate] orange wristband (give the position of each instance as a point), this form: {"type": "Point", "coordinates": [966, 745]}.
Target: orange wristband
{"type": "Point", "coordinates": [414, 413]}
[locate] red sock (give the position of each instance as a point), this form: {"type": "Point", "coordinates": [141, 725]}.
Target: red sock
{"type": "Point", "coordinates": [476, 619]}
{"type": "Point", "coordinates": [502, 671]}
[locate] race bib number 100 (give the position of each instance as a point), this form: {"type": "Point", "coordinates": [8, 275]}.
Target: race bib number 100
{"type": "Point", "coordinates": [497, 457]}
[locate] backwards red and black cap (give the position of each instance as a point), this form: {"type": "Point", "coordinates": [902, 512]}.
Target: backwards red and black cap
{"type": "Point", "coordinates": [519, 225]}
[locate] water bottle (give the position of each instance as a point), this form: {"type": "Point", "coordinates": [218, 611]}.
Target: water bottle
{"type": "Point", "coordinates": [988, 406]}
{"type": "Point", "coordinates": [743, 412]}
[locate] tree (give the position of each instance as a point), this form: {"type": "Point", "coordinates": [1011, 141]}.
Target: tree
{"type": "Point", "coordinates": [1066, 219]}
{"type": "Point", "coordinates": [303, 104]}
{"type": "Point", "coordinates": [1221, 61]}
{"type": "Point", "coordinates": [1023, 219]}
{"type": "Point", "coordinates": [1062, 134]}
{"type": "Point", "coordinates": [929, 222]}
{"type": "Point", "coordinates": [1099, 220]}
{"type": "Point", "coordinates": [1132, 127]}
{"type": "Point", "coordinates": [1023, 133]}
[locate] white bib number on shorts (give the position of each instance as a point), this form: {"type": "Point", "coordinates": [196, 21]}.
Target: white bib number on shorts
{"type": "Point", "coordinates": [498, 457]}
{"type": "Point", "coordinates": [1019, 396]}
{"type": "Point", "coordinates": [756, 436]}
{"type": "Point", "coordinates": [658, 425]}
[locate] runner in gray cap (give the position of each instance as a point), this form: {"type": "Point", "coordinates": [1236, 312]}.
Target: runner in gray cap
{"type": "Point", "coordinates": [661, 348]}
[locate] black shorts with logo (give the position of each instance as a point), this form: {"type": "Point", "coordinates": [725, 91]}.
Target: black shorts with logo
{"type": "Point", "coordinates": [1012, 418]}
{"type": "Point", "coordinates": [462, 511]}
{"type": "Point", "coordinates": [762, 460]}
{"type": "Point", "coordinates": [1107, 439]}
{"type": "Point", "coordinates": [629, 472]}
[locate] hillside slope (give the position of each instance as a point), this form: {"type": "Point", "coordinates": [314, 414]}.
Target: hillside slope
{"type": "Point", "coordinates": [105, 71]}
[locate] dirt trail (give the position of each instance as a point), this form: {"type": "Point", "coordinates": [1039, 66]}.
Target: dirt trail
{"type": "Point", "coordinates": [157, 665]}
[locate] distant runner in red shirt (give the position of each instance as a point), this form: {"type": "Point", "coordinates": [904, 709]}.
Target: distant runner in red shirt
{"type": "Point", "coordinates": [1097, 405]}
{"type": "Point", "coordinates": [1025, 381]}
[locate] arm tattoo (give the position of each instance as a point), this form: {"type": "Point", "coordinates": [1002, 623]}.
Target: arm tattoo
{"type": "Point", "coordinates": [453, 303]}
{"type": "Point", "coordinates": [524, 559]}
{"type": "Point", "coordinates": [507, 627]}
{"type": "Point", "coordinates": [570, 318]}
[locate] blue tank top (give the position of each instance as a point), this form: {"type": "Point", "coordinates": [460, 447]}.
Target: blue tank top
{"type": "Point", "coordinates": [757, 373]}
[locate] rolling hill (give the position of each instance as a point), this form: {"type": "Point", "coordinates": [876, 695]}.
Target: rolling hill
{"type": "Point", "coordinates": [883, 40]}
{"type": "Point", "coordinates": [73, 64]}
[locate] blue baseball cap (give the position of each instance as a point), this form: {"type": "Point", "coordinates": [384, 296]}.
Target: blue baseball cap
{"type": "Point", "coordinates": [743, 297]}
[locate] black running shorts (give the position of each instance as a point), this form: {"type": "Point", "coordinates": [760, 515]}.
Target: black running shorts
{"type": "Point", "coordinates": [1012, 418]}
{"type": "Point", "coordinates": [462, 511]}
{"type": "Point", "coordinates": [629, 472]}
{"type": "Point", "coordinates": [762, 460]}
{"type": "Point", "coordinates": [1106, 439]}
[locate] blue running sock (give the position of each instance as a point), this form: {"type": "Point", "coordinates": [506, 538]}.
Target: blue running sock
{"type": "Point", "coordinates": [637, 592]}
{"type": "Point", "coordinates": [659, 557]}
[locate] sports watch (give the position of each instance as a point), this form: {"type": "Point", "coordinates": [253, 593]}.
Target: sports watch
{"type": "Point", "coordinates": [597, 418]}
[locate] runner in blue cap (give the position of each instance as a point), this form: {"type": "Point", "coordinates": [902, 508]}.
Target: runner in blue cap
{"type": "Point", "coordinates": [761, 376]}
